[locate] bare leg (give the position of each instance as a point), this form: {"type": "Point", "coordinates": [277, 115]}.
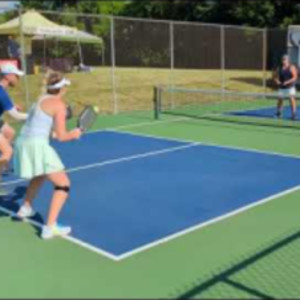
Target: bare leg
{"type": "Point", "coordinates": [293, 107]}
{"type": "Point", "coordinates": [33, 188]}
{"type": "Point", "coordinates": [6, 153]}
{"type": "Point", "coordinates": [8, 132]}
{"type": "Point", "coordinates": [59, 197]}
{"type": "Point", "coordinates": [279, 107]}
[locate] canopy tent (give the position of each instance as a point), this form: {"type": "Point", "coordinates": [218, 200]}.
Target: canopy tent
{"type": "Point", "coordinates": [37, 26]}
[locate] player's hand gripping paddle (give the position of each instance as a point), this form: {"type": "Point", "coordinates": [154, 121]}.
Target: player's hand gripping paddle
{"type": "Point", "coordinates": [87, 117]}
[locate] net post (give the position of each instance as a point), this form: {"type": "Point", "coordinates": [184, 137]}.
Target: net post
{"type": "Point", "coordinates": [157, 102]}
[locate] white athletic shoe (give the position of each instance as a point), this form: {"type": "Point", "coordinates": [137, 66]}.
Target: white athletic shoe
{"type": "Point", "coordinates": [25, 211]}
{"type": "Point", "coordinates": [50, 232]}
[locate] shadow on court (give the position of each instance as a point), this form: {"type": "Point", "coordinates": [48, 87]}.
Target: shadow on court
{"type": "Point", "coordinates": [11, 202]}
{"type": "Point", "coordinates": [261, 275]}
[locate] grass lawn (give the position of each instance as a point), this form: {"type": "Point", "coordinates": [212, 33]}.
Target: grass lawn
{"type": "Point", "coordinates": [134, 86]}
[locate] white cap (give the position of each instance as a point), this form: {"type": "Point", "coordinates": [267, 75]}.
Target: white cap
{"type": "Point", "coordinates": [59, 85]}
{"type": "Point", "coordinates": [10, 68]}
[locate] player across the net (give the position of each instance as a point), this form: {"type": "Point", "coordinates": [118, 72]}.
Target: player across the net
{"type": "Point", "coordinates": [225, 105]}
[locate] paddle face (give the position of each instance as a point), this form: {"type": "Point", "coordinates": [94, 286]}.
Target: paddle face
{"type": "Point", "coordinates": [87, 118]}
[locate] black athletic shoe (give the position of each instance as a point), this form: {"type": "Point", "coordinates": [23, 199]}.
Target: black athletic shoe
{"type": "Point", "coordinates": [294, 117]}
{"type": "Point", "coordinates": [278, 114]}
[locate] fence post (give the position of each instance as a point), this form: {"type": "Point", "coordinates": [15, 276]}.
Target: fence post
{"type": "Point", "coordinates": [23, 57]}
{"type": "Point", "coordinates": [113, 64]}
{"type": "Point", "coordinates": [172, 60]}
{"type": "Point", "coordinates": [265, 62]}
{"type": "Point", "coordinates": [222, 53]}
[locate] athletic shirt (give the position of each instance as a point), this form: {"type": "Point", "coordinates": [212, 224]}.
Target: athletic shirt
{"type": "Point", "coordinates": [285, 75]}
{"type": "Point", "coordinates": [38, 123]}
{"type": "Point", "coordinates": [5, 101]}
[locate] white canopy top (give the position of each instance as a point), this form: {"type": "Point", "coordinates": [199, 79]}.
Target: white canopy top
{"type": "Point", "coordinates": [39, 27]}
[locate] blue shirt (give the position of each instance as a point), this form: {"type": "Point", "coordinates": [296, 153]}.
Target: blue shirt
{"type": "Point", "coordinates": [5, 101]}
{"type": "Point", "coordinates": [13, 49]}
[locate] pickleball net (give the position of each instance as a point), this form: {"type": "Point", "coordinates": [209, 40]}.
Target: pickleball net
{"type": "Point", "coordinates": [230, 106]}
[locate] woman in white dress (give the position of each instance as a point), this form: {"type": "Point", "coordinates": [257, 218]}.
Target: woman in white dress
{"type": "Point", "coordinates": [36, 160]}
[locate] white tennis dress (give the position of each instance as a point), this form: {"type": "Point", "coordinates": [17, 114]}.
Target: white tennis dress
{"type": "Point", "coordinates": [34, 156]}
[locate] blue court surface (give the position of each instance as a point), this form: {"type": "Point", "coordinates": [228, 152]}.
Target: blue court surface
{"type": "Point", "coordinates": [129, 191]}
{"type": "Point", "coordinates": [267, 112]}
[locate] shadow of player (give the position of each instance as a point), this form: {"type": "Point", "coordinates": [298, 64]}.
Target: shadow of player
{"type": "Point", "coordinates": [11, 203]}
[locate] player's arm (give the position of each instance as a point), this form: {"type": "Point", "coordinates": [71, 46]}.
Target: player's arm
{"type": "Point", "coordinates": [276, 77]}
{"type": "Point", "coordinates": [13, 110]}
{"type": "Point", "coordinates": [60, 131]}
{"type": "Point", "coordinates": [16, 114]}
{"type": "Point", "coordinates": [294, 74]}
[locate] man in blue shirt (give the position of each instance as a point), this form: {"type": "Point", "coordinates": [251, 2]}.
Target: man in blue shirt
{"type": "Point", "coordinates": [9, 77]}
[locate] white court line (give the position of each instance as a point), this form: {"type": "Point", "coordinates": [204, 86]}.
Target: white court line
{"type": "Point", "coordinates": [69, 238]}
{"type": "Point", "coordinates": [207, 223]}
{"type": "Point", "coordinates": [154, 122]}
{"type": "Point", "coordinates": [133, 157]}
{"type": "Point", "coordinates": [118, 160]}
{"type": "Point", "coordinates": [108, 162]}
{"type": "Point", "coordinates": [180, 233]}
{"type": "Point", "coordinates": [108, 130]}
{"type": "Point", "coordinates": [166, 239]}
{"type": "Point", "coordinates": [146, 135]}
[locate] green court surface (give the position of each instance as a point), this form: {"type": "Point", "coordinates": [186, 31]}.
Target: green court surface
{"type": "Point", "coordinates": [254, 254]}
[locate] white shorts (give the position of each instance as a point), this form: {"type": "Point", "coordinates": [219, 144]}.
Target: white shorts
{"type": "Point", "coordinates": [286, 93]}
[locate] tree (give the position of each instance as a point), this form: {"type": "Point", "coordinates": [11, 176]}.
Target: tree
{"type": "Point", "coordinates": [46, 5]}
{"type": "Point", "coordinates": [258, 13]}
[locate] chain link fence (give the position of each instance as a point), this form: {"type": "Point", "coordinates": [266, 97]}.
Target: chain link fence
{"type": "Point", "coordinates": [115, 62]}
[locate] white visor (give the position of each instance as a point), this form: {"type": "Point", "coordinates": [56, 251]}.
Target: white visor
{"type": "Point", "coordinates": [9, 68]}
{"type": "Point", "coordinates": [59, 85]}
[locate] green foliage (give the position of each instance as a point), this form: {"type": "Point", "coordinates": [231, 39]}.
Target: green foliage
{"type": "Point", "coordinates": [149, 57]}
{"type": "Point", "coordinates": [258, 13]}
{"type": "Point", "coordinates": [46, 5]}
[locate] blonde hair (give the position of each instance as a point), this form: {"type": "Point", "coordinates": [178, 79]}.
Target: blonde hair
{"type": "Point", "coordinates": [51, 78]}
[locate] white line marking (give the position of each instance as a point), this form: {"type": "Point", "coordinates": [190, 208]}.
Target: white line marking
{"type": "Point", "coordinates": [69, 238]}
{"type": "Point", "coordinates": [91, 247]}
{"type": "Point", "coordinates": [115, 130]}
{"type": "Point", "coordinates": [109, 162]}
{"type": "Point", "coordinates": [146, 135]}
{"type": "Point", "coordinates": [133, 157]}
{"type": "Point", "coordinates": [207, 223]}
{"type": "Point", "coordinates": [118, 160]}
{"type": "Point", "coordinates": [154, 122]}
{"type": "Point", "coordinates": [11, 182]}
{"type": "Point", "coordinates": [180, 233]}
{"type": "Point", "coordinates": [167, 238]}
